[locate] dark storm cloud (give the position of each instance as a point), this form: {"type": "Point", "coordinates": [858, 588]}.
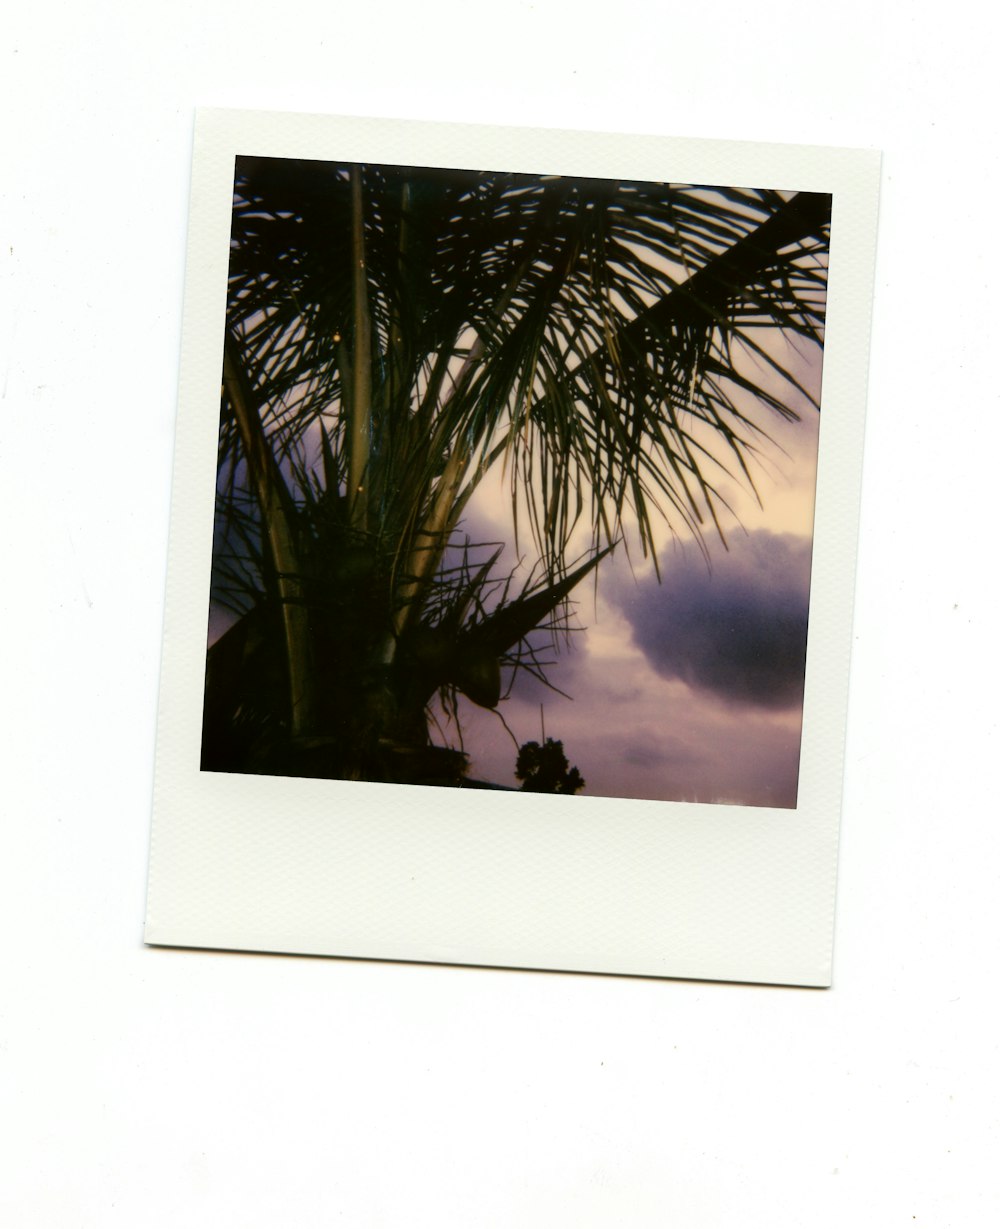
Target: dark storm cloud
{"type": "Point", "coordinates": [737, 631]}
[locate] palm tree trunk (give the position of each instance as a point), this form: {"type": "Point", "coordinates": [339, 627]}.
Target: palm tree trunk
{"type": "Point", "coordinates": [275, 508]}
{"type": "Point", "coordinates": [431, 537]}
{"type": "Point", "coordinates": [361, 399]}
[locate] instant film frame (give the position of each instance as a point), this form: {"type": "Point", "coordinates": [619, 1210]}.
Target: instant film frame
{"type": "Point", "coordinates": [421, 873]}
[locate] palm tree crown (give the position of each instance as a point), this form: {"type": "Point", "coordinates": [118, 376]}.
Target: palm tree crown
{"type": "Point", "coordinates": [396, 334]}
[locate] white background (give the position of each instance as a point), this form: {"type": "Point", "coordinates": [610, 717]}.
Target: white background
{"type": "Point", "coordinates": [162, 1088]}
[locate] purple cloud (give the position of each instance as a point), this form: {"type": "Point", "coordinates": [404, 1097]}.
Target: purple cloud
{"type": "Point", "coordinates": [737, 630]}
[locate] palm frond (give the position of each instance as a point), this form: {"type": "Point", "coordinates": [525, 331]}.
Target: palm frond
{"type": "Point", "coordinates": [394, 334]}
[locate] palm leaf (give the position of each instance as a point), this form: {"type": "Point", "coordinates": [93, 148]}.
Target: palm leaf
{"type": "Point", "coordinates": [394, 334]}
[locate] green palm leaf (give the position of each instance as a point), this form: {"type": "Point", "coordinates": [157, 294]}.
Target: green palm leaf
{"type": "Point", "coordinates": [395, 334]}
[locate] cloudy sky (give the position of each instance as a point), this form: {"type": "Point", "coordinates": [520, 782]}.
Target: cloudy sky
{"type": "Point", "coordinates": [688, 689]}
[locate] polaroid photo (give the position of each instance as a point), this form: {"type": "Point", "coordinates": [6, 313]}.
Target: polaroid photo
{"type": "Point", "coordinates": [512, 548]}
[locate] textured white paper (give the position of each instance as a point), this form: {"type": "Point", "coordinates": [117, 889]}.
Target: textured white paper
{"type": "Point", "coordinates": [477, 877]}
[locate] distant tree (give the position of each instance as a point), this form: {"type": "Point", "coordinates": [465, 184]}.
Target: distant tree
{"type": "Point", "coordinates": [545, 769]}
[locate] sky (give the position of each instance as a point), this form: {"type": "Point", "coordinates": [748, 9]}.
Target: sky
{"type": "Point", "coordinates": [682, 684]}
{"type": "Point", "coordinates": [688, 688]}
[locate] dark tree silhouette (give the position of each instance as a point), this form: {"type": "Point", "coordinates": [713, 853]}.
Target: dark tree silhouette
{"type": "Point", "coordinates": [394, 335]}
{"type": "Point", "coordinates": [544, 769]}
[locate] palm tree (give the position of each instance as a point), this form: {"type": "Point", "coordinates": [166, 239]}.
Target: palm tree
{"type": "Point", "coordinates": [394, 335]}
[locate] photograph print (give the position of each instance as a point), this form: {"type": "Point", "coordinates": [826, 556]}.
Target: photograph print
{"type": "Point", "coordinates": [515, 483]}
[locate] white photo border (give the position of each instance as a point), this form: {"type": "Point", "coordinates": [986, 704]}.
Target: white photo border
{"type": "Point", "coordinates": [418, 873]}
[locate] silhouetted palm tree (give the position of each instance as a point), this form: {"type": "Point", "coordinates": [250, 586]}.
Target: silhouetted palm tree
{"type": "Point", "coordinates": [393, 335]}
